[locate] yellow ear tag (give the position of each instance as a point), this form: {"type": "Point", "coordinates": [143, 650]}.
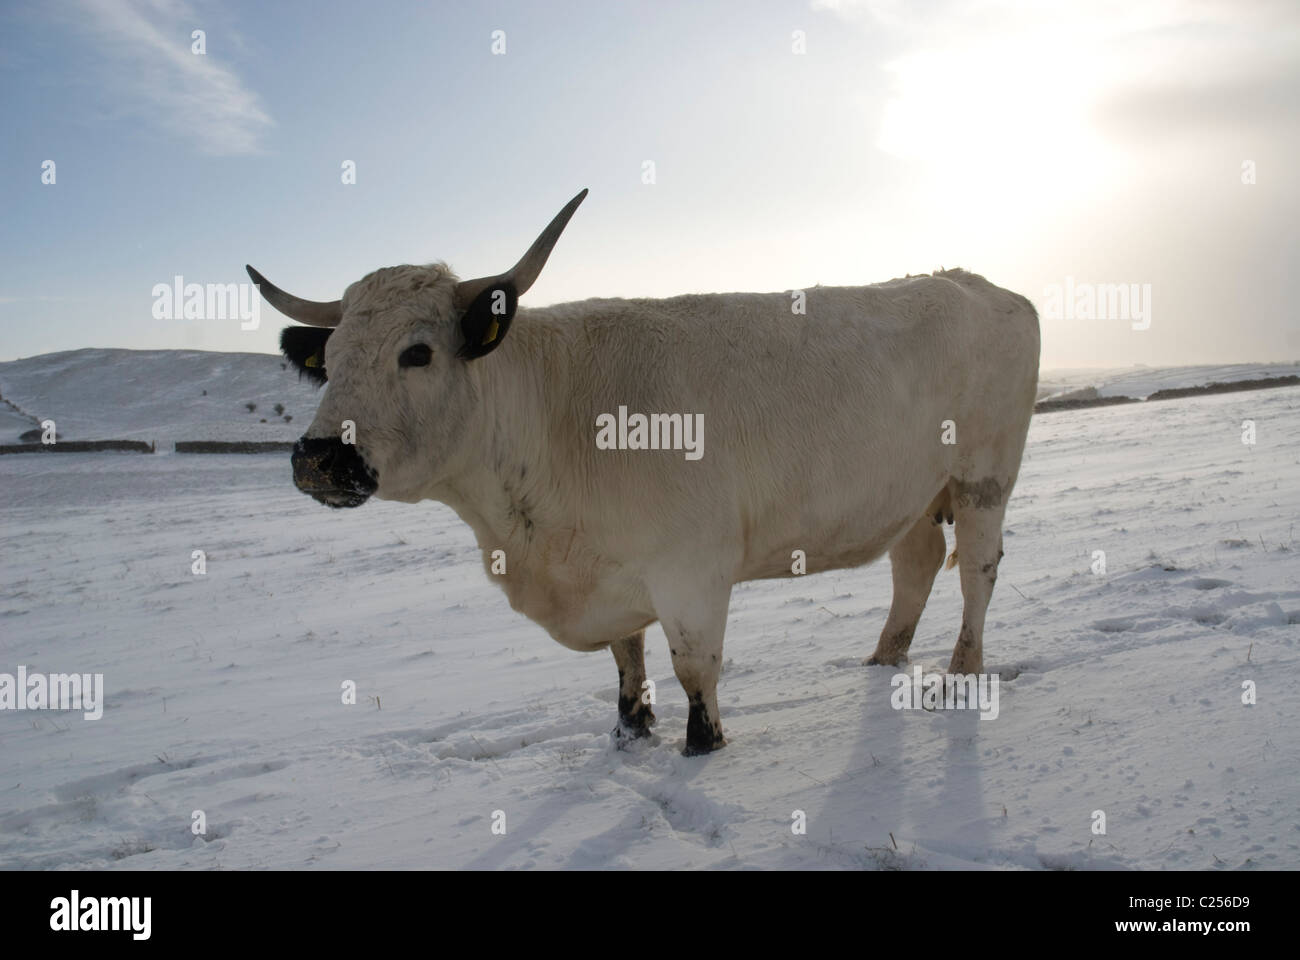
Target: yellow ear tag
{"type": "Point", "coordinates": [312, 361]}
{"type": "Point", "coordinates": [492, 333]}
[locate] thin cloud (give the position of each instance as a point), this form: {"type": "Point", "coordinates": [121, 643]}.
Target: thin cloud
{"type": "Point", "coordinates": [156, 74]}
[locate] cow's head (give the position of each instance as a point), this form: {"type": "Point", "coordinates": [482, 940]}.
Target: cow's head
{"type": "Point", "coordinates": [398, 353]}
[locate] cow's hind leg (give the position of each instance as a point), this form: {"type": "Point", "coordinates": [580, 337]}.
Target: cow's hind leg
{"type": "Point", "coordinates": [914, 561]}
{"type": "Point", "coordinates": [979, 509]}
{"type": "Point", "coordinates": [634, 714]}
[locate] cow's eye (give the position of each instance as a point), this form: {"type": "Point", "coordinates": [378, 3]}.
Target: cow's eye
{"type": "Point", "coordinates": [416, 356]}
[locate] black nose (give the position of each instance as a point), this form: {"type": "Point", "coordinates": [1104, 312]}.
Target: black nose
{"type": "Point", "coordinates": [332, 471]}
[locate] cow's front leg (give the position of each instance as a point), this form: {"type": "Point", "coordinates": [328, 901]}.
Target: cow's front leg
{"type": "Point", "coordinates": [634, 714]}
{"type": "Point", "coordinates": [694, 625]}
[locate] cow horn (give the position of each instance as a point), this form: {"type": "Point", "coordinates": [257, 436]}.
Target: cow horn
{"type": "Point", "coordinates": [314, 312]}
{"type": "Point", "coordinates": [522, 275]}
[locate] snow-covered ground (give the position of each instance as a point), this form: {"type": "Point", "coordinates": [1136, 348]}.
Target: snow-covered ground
{"type": "Point", "coordinates": [1124, 689]}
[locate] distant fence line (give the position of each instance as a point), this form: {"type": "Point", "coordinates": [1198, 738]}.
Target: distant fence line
{"type": "Point", "coordinates": [1262, 384]}
{"type": "Point", "coordinates": [79, 446]}
{"type": "Point", "coordinates": [1051, 406]}
{"type": "Point", "coordinates": [237, 446]}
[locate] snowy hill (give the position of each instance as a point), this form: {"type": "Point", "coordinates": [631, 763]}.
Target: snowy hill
{"type": "Point", "coordinates": [1122, 690]}
{"type": "Point", "coordinates": [1141, 381]}
{"type": "Point", "coordinates": [158, 395]}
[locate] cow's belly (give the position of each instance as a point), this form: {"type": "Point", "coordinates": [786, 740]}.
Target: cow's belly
{"type": "Point", "coordinates": [583, 604]}
{"type": "Point", "coordinates": [599, 630]}
{"type": "Point", "coordinates": [836, 549]}
{"type": "Point", "coordinates": [837, 536]}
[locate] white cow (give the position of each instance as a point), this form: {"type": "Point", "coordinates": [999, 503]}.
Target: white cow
{"type": "Point", "coordinates": [846, 431]}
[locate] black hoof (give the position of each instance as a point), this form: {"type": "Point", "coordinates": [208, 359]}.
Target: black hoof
{"type": "Point", "coordinates": [702, 734]}
{"type": "Point", "coordinates": [635, 727]}
{"type": "Point", "coordinates": [701, 749]}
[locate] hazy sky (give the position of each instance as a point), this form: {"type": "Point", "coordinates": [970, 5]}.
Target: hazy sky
{"type": "Point", "coordinates": [1032, 142]}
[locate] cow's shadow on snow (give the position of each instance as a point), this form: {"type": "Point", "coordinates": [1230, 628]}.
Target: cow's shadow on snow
{"type": "Point", "coordinates": [911, 795]}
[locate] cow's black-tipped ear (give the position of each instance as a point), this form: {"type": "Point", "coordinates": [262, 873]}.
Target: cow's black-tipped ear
{"type": "Point", "coordinates": [485, 323]}
{"type": "Point", "coordinates": [305, 348]}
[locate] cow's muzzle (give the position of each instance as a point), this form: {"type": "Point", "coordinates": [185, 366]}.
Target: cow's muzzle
{"type": "Point", "coordinates": [332, 472]}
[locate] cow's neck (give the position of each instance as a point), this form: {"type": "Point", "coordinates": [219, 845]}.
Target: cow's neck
{"type": "Point", "coordinates": [507, 490]}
